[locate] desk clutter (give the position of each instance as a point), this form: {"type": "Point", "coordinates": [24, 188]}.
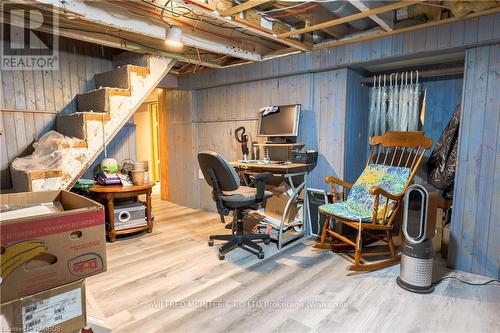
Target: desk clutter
{"type": "Point", "coordinates": [129, 173]}
{"type": "Point", "coordinates": [280, 211]}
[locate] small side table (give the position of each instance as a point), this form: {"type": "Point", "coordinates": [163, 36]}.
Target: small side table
{"type": "Point", "coordinates": [111, 192]}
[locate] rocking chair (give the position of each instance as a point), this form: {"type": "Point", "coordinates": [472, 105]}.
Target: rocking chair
{"type": "Point", "coordinates": [375, 198]}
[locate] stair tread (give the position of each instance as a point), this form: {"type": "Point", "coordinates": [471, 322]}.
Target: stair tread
{"type": "Point", "coordinates": [129, 67]}
{"type": "Point", "coordinates": [87, 115]}
{"type": "Point", "coordinates": [95, 105]}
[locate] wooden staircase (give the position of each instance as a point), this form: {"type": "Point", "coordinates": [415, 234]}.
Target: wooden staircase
{"type": "Point", "coordinates": [101, 114]}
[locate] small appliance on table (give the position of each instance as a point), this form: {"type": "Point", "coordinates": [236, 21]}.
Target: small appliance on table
{"type": "Point", "coordinates": [111, 192]}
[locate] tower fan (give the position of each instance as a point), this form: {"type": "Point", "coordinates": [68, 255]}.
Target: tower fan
{"type": "Point", "coordinates": [419, 224]}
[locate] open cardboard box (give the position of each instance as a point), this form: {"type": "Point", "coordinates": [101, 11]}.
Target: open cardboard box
{"type": "Point", "coordinates": [45, 251]}
{"type": "Point", "coordinates": [61, 309]}
{"type": "Point", "coordinates": [275, 207]}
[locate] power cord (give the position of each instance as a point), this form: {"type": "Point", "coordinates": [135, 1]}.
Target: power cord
{"type": "Point", "coordinates": [466, 282]}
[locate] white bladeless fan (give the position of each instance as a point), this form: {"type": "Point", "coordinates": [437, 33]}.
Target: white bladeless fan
{"type": "Point", "coordinates": [419, 223]}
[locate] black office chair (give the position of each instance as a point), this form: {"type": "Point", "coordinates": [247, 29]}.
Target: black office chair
{"type": "Point", "coordinates": [229, 195]}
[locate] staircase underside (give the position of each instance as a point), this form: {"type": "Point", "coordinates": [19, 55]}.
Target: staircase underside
{"type": "Point", "coordinates": [101, 114]}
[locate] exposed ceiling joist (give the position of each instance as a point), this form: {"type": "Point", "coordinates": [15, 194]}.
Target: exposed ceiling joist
{"type": "Point", "coordinates": [242, 7]}
{"type": "Point", "coordinates": [209, 11]}
{"type": "Point", "coordinates": [318, 16]}
{"type": "Point", "coordinates": [109, 16]}
{"type": "Point", "coordinates": [254, 27]}
{"type": "Point", "coordinates": [346, 19]}
{"type": "Point", "coordinates": [111, 41]}
{"type": "Point", "coordinates": [402, 30]}
{"type": "Point", "coordinates": [363, 8]}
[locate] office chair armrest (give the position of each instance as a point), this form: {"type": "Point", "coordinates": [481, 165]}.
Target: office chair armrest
{"type": "Point", "coordinates": [260, 183]}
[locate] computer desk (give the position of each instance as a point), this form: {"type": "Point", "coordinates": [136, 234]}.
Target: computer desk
{"type": "Point", "coordinates": [286, 171]}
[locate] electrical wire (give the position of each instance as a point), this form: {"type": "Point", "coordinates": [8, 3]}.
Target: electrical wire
{"type": "Point", "coordinates": [281, 9]}
{"type": "Point", "coordinates": [198, 17]}
{"type": "Point", "coordinates": [466, 282]}
{"type": "Point", "coordinates": [295, 12]}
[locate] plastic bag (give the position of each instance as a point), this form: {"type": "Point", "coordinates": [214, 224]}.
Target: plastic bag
{"type": "Point", "coordinates": [48, 154]}
{"type": "Point", "coordinates": [442, 163]}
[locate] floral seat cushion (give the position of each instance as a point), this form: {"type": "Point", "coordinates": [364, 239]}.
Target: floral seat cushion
{"type": "Point", "coordinates": [359, 203]}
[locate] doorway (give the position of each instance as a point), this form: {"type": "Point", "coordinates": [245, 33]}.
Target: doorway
{"type": "Point", "coordinates": [148, 129]}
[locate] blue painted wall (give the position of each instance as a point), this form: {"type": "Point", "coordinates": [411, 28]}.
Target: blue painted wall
{"type": "Point", "coordinates": [321, 81]}
{"type": "Point", "coordinates": [449, 37]}
{"type": "Point", "coordinates": [475, 233]}
{"type": "Point", "coordinates": [219, 110]}
{"type": "Point", "coordinates": [443, 95]}
{"type": "Point", "coordinates": [356, 127]}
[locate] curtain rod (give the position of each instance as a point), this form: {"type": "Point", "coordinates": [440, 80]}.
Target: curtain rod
{"type": "Point", "coordinates": [424, 74]}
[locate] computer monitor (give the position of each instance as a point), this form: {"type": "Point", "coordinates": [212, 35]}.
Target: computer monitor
{"type": "Point", "coordinates": [280, 126]}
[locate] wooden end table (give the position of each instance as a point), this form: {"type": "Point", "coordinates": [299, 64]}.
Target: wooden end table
{"type": "Point", "coordinates": [111, 192]}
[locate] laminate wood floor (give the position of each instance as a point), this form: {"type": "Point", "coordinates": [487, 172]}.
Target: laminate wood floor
{"type": "Point", "coordinates": [171, 281]}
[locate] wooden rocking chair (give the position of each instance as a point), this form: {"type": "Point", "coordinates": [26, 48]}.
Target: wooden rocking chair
{"type": "Point", "coordinates": [395, 158]}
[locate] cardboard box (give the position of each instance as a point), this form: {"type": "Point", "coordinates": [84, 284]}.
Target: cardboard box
{"type": "Point", "coordinates": [61, 309]}
{"type": "Point", "coordinates": [438, 237]}
{"type": "Point", "coordinates": [50, 250]}
{"type": "Point", "coordinates": [275, 207]}
{"type": "Point", "coordinates": [446, 241]}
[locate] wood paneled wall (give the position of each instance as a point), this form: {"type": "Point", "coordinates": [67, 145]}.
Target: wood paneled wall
{"type": "Point", "coordinates": [320, 81]}
{"type": "Point", "coordinates": [444, 38]}
{"type": "Point", "coordinates": [123, 146]}
{"type": "Point", "coordinates": [220, 110]}
{"type": "Point", "coordinates": [334, 121]}
{"type": "Point", "coordinates": [475, 233]}
{"type": "Point", "coordinates": [443, 95]}
{"type": "Point", "coordinates": [182, 132]}
{"type": "Point", "coordinates": [30, 100]}
{"type": "Point", "coordinates": [356, 125]}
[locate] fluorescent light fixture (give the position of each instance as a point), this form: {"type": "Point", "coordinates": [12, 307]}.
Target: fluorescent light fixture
{"type": "Point", "coordinates": [174, 36]}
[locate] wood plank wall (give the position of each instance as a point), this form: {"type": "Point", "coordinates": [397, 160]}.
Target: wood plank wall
{"type": "Point", "coordinates": [331, 102]}
{"type": "Point", "coordinates": [475, 233]}
{"type": "Point", "coordinates": [356, 125]}
{"type": "Point", "coordinates": [441, 39]}
{"type": "Point", "coordinates": [443, 95]}
{"type": "Point", "coordinates": [182, 140]}
{"type": "Point", "coordinates": [221, 110]}
{"type": "Point", "coordinates": [30, 100]}
{"type": "Point", "coordinates": [123, 146]}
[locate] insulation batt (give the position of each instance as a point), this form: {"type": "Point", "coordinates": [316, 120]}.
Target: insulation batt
{"type": "Point", "coordinates": [48, 153]}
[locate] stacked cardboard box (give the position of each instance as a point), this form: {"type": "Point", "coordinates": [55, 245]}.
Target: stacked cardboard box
{"type": "Point", "coordinates": [45, 257]}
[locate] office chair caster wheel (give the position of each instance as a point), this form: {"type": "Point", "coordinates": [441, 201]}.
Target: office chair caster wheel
{"type": "Point", "coordinates": [221, 256]}
{"type": "Point", "coordinates": [210, 242]}
{"type": "Point", "coordinates": [267, 241]}
{"type": "Point", "coordinates": [260, 255]}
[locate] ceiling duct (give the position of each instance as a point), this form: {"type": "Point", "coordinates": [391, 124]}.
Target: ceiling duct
{"type": "Point", "coordinates": [342, 9]}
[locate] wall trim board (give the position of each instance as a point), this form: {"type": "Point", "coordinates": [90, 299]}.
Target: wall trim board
{"type": "Point", "coordinates": [30, 111]}
{"type": "Point", "coordinates": [422, 42]}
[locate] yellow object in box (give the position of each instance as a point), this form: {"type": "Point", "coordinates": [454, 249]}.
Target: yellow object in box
{"type": "Point", "coordinates": [43, 251]}
{"type": "Point", "coordinates": [61, 309]}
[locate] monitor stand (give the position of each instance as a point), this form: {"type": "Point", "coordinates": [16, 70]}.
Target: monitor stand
{"type": "Point", "coordinates": [281, 139]}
